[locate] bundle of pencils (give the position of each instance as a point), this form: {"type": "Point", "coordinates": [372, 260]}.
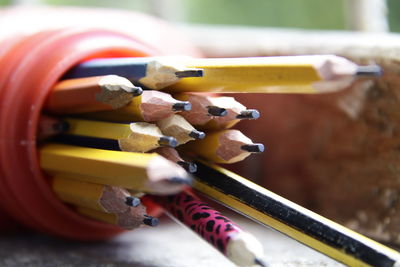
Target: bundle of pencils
{"type": "Point", "coordinates": [114, 130]}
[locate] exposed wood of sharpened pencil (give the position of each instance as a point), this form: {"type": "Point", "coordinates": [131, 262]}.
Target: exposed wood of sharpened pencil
{"type": "Point", "coordinates": [152, 72]}
{"type": "Point", "coordinates": [150, 106]}
{"type": "Point", "coordinates": [141, 172]}
{"type": "Point", "coordinates": [235, 112]}
{"type": "Point", "coordinates": [91, 94]}
{"type": "Point", "coordinates": [130, 219]}
{"type": "Point", "coordinates": [225, 235]}
{"type": "Point", "coordinates": [289, 74]}
{"type": "Point", "coordinates": [110, 199]}
{"type": "Point", "coordinates": [133, 137]}
{"type": "Point", "coordinates": [203, 109]}
{"type": "Point", "coordinates": [303, 225]}
{"type": "Point", "coordinates": [50, 126]}
{"type": "Point", "coordinates": [176, 126]}
{"type": "Point", "coordinates": [173, 155]}
{"type": "Point", "coordinates": [224, 146]}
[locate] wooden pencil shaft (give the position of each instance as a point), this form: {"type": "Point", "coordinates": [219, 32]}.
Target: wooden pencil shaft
{"type": "Point", "coordinates": [137, 171]}
{"type": "Point", "coordinates": [214, 113]}
{"type": "Point", "coordinates": [224, 146]}
{"type": "Point", "coordinates": [131, 68]}
{"type": "Point", "coordinates": [153, 73]}
{"type": "Point", "coordinates": [130, 219]}
{"type": "Point", "coordinates": [235, 111]}
{"type": "Point", "coordinates": [200, 113]}
{"type": "Point", "coordinates": [91, 94]}
{"type": "Point", "coordinates": [173, 155]}
{"type": "Point", "coordinates": [134, 137]}
{"type": "Point", "coordinates": [176, 126]}
{"type": "Point", "coordinates": [94, 196]}
{"type": "Point", "coordinates": [150, 106]}
{"type": "Point", "coordinates": [98, 129]}
{"type": "Point", "coordinates": [267, 74]}
{"type": "Point", "coordinates": [291, 219]}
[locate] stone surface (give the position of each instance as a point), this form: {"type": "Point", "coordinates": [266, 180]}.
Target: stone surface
{"type": "Point", "coordinates": [168, 245]}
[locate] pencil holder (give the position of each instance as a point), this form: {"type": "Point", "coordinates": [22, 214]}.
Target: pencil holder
{"type": "Point", "coordinates": [30, 65]}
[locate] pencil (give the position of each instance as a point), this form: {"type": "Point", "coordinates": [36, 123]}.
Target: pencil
{"type": "Point", "coordinates": [200, 116]}
{"type": "Point", "coordinates": [91, 94]}
{"type": "Point", "coordinates": [154, 73]}
{"type": "Point", "coordinates": [173, 155]}
{"type": "Point", "coordinates": [291, 219]}
{"type": "Point", "coordinates": [150, 106]}
{"type": "Point", "coordinates": [203, 109]}
{"type": "Point", "coordinates": [131, 219]}
{"type": "Point", "coordinates": [238, 245]}
{"type": "Point", "coordinates": [224, 146]}
{"type": "Point", "coordinates": [133, 137]}
{"type": "Point", "coordinates": [235, 113]}
{"type": "Point", "coordinates": [149, 173]}
{"type": "Point", "coordinates": [110, 199]}
{"type": "Point", "coordinates": [284, 74]}
{"type": "Point", "coordinates": [176, 126]}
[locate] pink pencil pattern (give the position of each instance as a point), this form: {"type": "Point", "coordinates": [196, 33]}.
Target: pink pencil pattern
{"type": "Point", "coordinates": [211, 225]}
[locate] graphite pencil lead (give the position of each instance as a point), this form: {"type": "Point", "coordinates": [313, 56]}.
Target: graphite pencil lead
{"type": "Point", "coordinates": [167, 141]}
{"type": "Point", "coordinates": [137, 91]}
{"type": "Point", "coordinates": [188, 166]}
{"type": "Point", "coordinates": [197, 134]}
{"type": "Point", "coordinates": [253, 148]}
{"type": "Point", "coordinates": [216, 111]}
{"type": "Point", "coordinates": [189, 73]}
{"type": "Point", "coordinates": [370, 70]}
{"type": "Point", "coordinates": [132, 201]}
{"type": "Point", "coordinates": [249, 114]}
{"type": "Point", "coordinates": [260, 262]}
{"type": "Point", "coordinates": [182, 106]}
{"type": "Point", "coordinates": [150, 221]}
{"type": "Point", "coordinates": [181, 180]}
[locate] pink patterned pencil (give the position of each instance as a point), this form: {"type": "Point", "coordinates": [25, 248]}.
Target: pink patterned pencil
{"type": "Point", "coordinates": [236, 244]}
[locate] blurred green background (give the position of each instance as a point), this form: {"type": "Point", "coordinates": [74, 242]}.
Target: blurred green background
{"type": "Point", "coordinates": [308, 14]}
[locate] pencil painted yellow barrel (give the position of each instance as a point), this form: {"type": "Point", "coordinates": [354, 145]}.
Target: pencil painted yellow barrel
{"type": "Point", "coordinates": [294, 74]}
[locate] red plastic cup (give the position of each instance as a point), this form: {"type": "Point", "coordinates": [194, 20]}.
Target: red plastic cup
{"type": "Point", "coordinates": [30, 65]}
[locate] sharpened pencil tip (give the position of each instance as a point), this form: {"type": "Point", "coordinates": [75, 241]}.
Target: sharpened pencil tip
{"type": "Point", "coordinates": [370, 70]}
{"type": "Point", "coordinates": [132, 201]}
{"type": "Point", "coordinates": [253, 148]}
{"type": "Point", "coordinates": [167, 141]}
{"type": "Point", "coordinates": [150, 221]}
{"type": "Point", "coordinates": [188, 166]}
{"type": "Point", "coordinates": [260, 262]}
{"type": "Point", "coordinates": [182, 106]}
{"type": "Point", "coordinates": [249, 114]}
{"type": "Point", "coordinates": [61, 127]}
{"type": "Point", "coordinates": [197, 134]}
{"type": "Point", "coordinates": [181, 180]}
{"type": "Point", "coordinates": [217, 111]}
{"type": "Point", "coordinates": [189, 73]}
{"type": "Point", "coordinates": [137, 91]}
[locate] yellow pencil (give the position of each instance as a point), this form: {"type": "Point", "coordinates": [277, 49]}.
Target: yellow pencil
{"type": "Point", "coordinates": [179, 128]}
{"type": "Point", "coordinates": [133, 137]}
{"type": "Point", "coordinates": [224, 146]}
{"type": "Point", "coordinates": [149, 106]}
{"type": "Point", "coordinates": [110, 199]}
{"type": "Point", "coordinates": [291, 74]}
{"type": "Point", "coordinates": [149, 173]}
{"type": "Point", "coordinates": [130, 219]}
